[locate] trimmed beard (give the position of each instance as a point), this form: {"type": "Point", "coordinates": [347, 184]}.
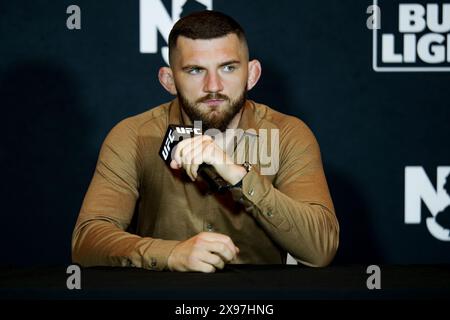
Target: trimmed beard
{"type": "Point", "coordinates": [220, 121]}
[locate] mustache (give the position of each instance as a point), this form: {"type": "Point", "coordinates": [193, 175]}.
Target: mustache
{"type": "Point", "coordinates": [213, 96]}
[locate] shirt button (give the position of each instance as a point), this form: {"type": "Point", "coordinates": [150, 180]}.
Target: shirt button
{"type": "Point", "coordinates": [209, 227]}
{"type": "Point", "coordinates": [269, 213]}
{"type": "Point", "coordinates": [251, 192]}
{"type": "Point", "coordinates": [153, 262]}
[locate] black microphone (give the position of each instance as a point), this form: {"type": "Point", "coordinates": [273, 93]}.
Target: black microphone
{"type": "Point", "coordinates": [175, 134]}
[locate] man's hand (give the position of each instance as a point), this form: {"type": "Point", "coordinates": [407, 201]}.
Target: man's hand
{"type": "Point", "coordinates": [204, 252]}
{"type": "Point", "coordinates": [191, 153]}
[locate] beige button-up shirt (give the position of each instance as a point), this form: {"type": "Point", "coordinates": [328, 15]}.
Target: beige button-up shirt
{"type": "Point", "coordinates": [137, 209]}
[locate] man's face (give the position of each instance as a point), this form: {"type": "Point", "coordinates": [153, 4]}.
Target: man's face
{"type": "Point", "coordinates": [211, 78]}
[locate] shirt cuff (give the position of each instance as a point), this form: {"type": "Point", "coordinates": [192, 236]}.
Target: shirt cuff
{"type": "Point", "coordinates": [257, 197]}
{"type": "Point", "coordinates": [155, 253]}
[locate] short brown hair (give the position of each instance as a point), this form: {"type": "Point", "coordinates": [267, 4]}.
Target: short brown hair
{"type": "Point", "coordinates": [204, 25]}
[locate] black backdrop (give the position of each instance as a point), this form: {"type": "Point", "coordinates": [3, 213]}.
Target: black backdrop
{"type": "Point", "coordinates": [62, 90]}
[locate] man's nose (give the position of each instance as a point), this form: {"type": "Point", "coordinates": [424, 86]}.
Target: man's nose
{"type": "Point", "coordinates": [213, 83]}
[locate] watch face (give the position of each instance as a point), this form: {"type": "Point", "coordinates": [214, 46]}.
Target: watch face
{"type": "Point", "coordinates": [247, 166]}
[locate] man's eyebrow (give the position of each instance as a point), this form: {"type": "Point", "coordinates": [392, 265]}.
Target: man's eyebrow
{"type": "Point", "coordinates": [229, 62]}
{"type": "Point", "coordinates": [192, 66]}
{"type": "Point", "coordinates": [196, 66]}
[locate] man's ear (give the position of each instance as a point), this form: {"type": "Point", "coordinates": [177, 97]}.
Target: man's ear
{"type": "Point", "coordinates": [254, 72]}
{"type": "Point", "coordinates": [165, 77]}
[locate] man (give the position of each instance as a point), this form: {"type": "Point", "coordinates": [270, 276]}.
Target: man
{"type": "Point", "coordinates": [178, 226]}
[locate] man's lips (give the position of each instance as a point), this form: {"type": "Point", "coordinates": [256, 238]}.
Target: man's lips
{"type": "Point", "coordinates": [213, 102]}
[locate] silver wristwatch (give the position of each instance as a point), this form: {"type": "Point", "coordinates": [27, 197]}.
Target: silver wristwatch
{"type": "Point", "coordinates": [247, 165]}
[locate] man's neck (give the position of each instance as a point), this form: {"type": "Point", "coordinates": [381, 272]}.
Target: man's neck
{"type": "Point", "coordinates": [235, 121]}
{"type": "Point", "coordinates": [184, 116]}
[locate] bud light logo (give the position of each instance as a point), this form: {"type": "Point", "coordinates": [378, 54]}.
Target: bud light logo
{"type": "Point", "coordinates": [411, 37]}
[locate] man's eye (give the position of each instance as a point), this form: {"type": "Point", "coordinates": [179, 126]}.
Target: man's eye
{"type": "Point", "coordinates": [229, 68]}
{"type": "Point", "coordinates": [194, 71]}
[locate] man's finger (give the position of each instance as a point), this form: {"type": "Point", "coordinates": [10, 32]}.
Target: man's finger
{"type": "Point", "coordinates": [221, 249]}
{"type": "Point", "coordinates": [178, 151]}
{"type": "Point", "coordinates": [197, 161]}
{"type": "Point", "coordinates": [204, 267]}
{"type": "Point", "coordinates": [174, 165]}
{"type": "Point", "coordinates": [184, 149]}
{"type": "Point", "coordinates": [186, 160]}
{"type": "Point", "coordinates": [214, 259]}
{"type": "Point", "coordinates": [214, 236]}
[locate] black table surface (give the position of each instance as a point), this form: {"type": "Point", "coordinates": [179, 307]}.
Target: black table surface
{"type": "Point", "coordinates": [256, 282]}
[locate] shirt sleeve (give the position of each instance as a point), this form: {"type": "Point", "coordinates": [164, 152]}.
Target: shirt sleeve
{"type": "Point", "coordinates": [99, 237]}
{"type": "Point", "coordinates": [296, 210]}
